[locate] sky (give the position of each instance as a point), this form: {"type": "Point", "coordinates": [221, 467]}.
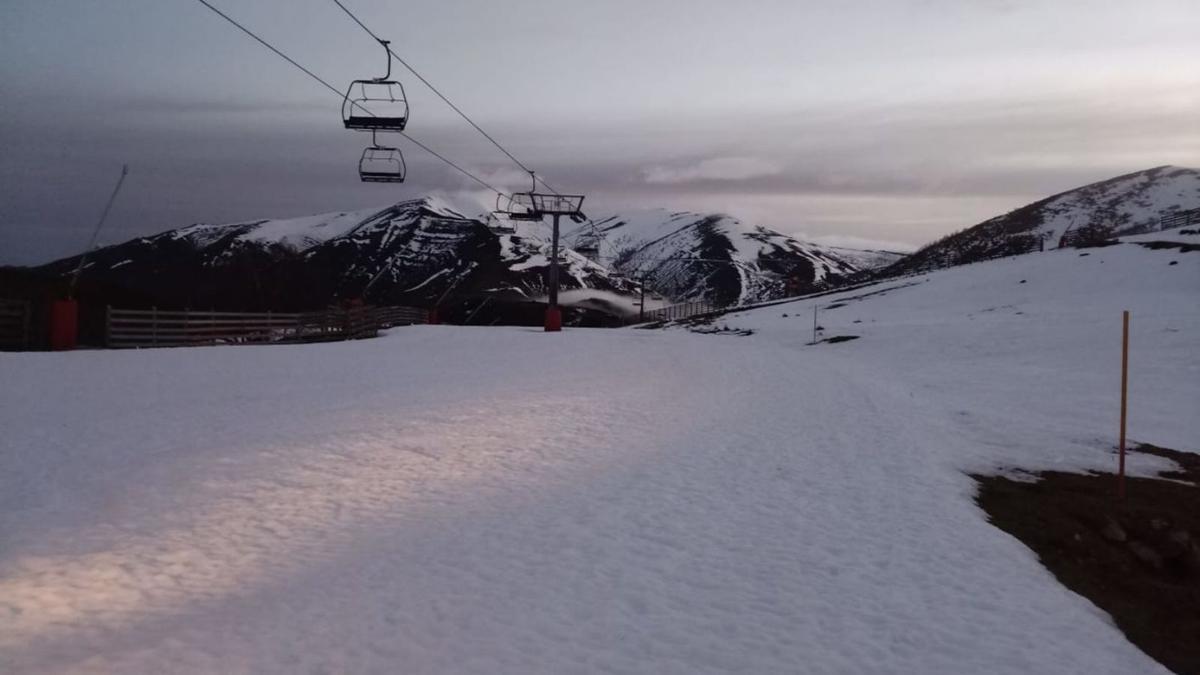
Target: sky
{"type": "Point", "coordinates": [879, 123]}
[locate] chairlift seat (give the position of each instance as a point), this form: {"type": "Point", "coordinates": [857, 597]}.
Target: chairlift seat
{"type": "Point", "coordinates": [376, 123]}
{"type": "Point", "coordinates": [380, 177]}
{"type": "Point", "coordinates": [375, 105]}
{"type": "Point", "coordinates": [527, 216]}
{"type": "Point", "coordinates": [381, 165]}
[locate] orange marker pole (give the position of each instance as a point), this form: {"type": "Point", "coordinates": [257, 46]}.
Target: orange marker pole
{"type": "Point", "coordinates": [1124, 399]}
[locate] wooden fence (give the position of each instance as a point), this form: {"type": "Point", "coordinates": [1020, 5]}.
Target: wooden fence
{"type": "Point", "coordinates": [682, 310]}
{"type": "Point", "coordinates": [1180, 219]}
{"type": "Point", "coordinates": [14, 324]}
{"type": "Point", "coordinates": [386, 317]}
{"type": "Point", "coordinates": [155, 328]}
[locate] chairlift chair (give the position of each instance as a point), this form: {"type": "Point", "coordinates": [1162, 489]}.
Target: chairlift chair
{"type": "Point", "coordinates": [381, 164]}
{"type": "Point", "coordinates": [587, 244]}
{"type": "Point", "coordinates": [377, 104]}
{"type": "Point", "coordinates": [558, 204]}
{"type": "Point", "coordinates": [498, 222]}
{"type": "Point", "coordinates": [520, 207]}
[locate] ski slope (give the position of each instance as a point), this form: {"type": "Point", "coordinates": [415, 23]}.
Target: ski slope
{"type": "Point", "coordinates": [480, 500]}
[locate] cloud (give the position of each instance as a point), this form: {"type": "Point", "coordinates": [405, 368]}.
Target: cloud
{"type": "Point", "coordinates": [715, 169]}
{"type": "Point", "coordinates": [906, 173]}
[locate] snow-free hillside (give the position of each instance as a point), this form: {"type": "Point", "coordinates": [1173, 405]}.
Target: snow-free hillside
{"type": "Point", "coordinates": [1130, 204]}
{"type": "Point", "coordinates": [498, 500]}
{"type": "Point", "coordinates": [692, 256]}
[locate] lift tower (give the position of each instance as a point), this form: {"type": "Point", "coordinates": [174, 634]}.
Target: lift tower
{"type": "Point", "coordinates": [556, 206]}
{"type": "Point", "coordinates": [534, 205]}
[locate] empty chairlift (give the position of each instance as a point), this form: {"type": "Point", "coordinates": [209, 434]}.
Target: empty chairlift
{"type": "Point", "coordinates": [587, 244]}
{"type": "Point", "coordinates": [377, 104]}
{"type": "Point", "coordinates": [381, 164]}
{"type": "Point", "coordinates": [588, 249]}
{"type": "Point", "coordinates": [498, 221]}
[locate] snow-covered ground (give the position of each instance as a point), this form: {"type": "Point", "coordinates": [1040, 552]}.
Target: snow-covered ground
{"type": "Point", "coordinates": [482, 500]}
{"type": "Point", "coordinates": [1136, 200]}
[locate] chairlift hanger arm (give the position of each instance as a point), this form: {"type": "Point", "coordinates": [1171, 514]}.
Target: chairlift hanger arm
{"type": "Point", "coordinates": [387, 57]}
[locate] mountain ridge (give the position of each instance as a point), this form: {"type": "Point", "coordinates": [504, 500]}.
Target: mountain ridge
{"type": "Point", "coordinates": [423, 251]}
{"type": "Point", "coordinates": [1132, 203]}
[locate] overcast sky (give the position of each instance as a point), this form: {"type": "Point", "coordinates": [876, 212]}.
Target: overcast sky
{"type": "Point", "coordinates": [890, 121]}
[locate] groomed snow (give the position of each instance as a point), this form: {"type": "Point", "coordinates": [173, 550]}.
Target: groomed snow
{"type": "Point", "coordinates": [473, 500]}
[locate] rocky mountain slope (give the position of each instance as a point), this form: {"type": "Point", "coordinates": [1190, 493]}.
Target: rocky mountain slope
{"type": "Point", "coordinates": [693, 256]}
{"type": "Point", "coordinates": [424, 252]}
{"type": "Point", "coordinates": [415, 252]}
{"type": "Point", "coordinates": [1131, 204]}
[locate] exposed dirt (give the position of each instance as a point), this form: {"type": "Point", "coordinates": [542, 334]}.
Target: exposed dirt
{"type": "Point", "coordinates": [1183, 247]}
{"type": "Point", "coordinates": [1137, 559]}
{"type": "Point", "coordinates": [721, 330]}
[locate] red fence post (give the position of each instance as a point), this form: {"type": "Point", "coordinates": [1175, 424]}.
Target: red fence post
{"type": "Point", "coordinates": [64, 324]}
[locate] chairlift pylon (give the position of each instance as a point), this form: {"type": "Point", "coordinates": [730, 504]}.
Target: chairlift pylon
{"type": "Point", "coordinates": [377, 104]}
{"type": "Point", "coordinates": [381, 164]}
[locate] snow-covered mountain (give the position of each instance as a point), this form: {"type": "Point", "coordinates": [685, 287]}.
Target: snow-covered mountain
{"type": "Point", "coordinates": [415, 252]}
{"type": "Point", "coordinates": [720, 258]}
{"type": "Point", "coordinates": [424, 251]}
{"type": "Point", "coordinates": [866, 259]}
{"type": "Point", "coordinates": [1131, 204]}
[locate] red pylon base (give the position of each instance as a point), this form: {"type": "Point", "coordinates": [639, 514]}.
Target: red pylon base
{"type": "Point", "coordinates": [553, 319]}
{"type": "Point", "coordinates": [64, 324]}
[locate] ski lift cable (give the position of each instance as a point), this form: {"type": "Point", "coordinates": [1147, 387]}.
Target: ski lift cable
{"type": "Point", "coordinates": [96, 231]}
{"type": "Point", "coordinates": [442, 96]}
{"type": "Point", "coordinates": [341, 95]}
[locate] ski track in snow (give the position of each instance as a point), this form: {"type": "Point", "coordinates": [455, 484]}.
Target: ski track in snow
{"type": "Point", "coordinates": [467, 500]}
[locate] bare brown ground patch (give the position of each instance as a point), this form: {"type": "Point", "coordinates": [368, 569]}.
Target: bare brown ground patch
{"type": "Point", "coordinates": [1137, 559]}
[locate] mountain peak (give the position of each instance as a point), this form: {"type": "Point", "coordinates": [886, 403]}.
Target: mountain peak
{"type": "Point", "coordinates": [1132, 203]}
